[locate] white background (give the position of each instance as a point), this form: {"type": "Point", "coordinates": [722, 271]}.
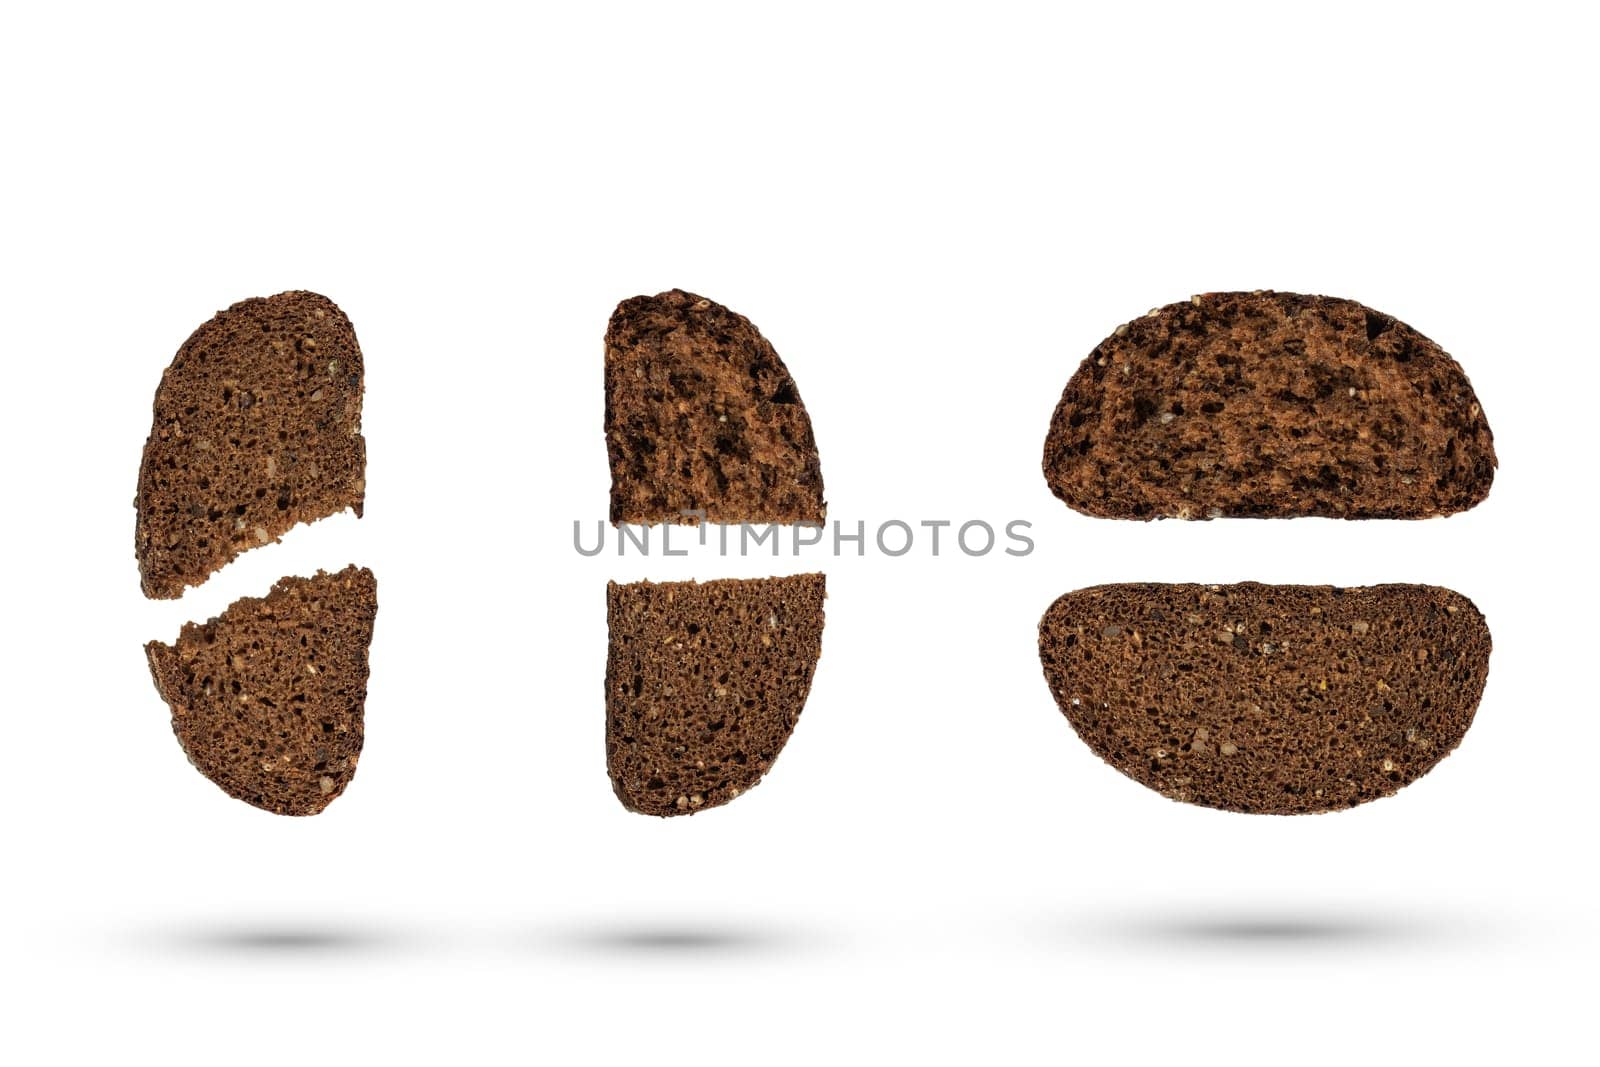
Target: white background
{"type": "Point", "coordinates": [934, 213]}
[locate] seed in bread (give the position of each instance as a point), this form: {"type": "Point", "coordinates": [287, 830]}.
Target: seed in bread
{"type": "Point", "coordinates": [704, 684]}
{"type": "Point", "coordinates": [1280, 699]}
{"type": "Point", "coordinates": [257, 428]}
{"type": "Point", "coordinates": [268, 698]}
{"type": "Point", "coordinates": [1268, 405]}
{"type": "Point", "coordinates": [702, 416]}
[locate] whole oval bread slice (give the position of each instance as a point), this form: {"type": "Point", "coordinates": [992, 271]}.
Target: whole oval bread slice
{"type": "Point", "coordinates": [702, 416]}
{"type": "Point", "coordinates": [257, 428]}
{"type": "Point", "coordinates": [704, 684]}
{"type": "Point", "coordinates": [268, 698]}
{"type": "Point", "coordinates": [1268, 405]}
{"type": "Point", "coordinates": [1280, 699]}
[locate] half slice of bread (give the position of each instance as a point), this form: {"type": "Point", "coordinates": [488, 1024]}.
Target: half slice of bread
{"type": "Point", "coordinates": [1280, 699]}
{"type": "Point", "coordinates": [1269, 405]}
{"type": "Point", "coordinates": [267, 699]}
{"type": "Point", "coordinates": [257, 427]}
{"type": "Point", "coordinates": [704, 684]}
{"type": "Point", "coordinates": [702, 415]}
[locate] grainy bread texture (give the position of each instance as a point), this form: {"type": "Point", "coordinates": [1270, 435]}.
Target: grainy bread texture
{"type": "Point", "coordinates": [257, 427]}
{"type": "Point", "coordinates": [1268, 405]}
{"type": "Point", "coordinates": [1280, 699]}
{"type": "Point", "coordinates": [701, 414]}
{"type": "Point", "coordinates": [267, 699]}
{"type": "Point", "coordinates": [704, 684]}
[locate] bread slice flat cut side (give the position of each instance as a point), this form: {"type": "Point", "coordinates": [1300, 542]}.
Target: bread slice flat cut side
{"type": "Point", "coordinates": [1277, 699]}
{"type": "Point", "coordinates": [1268, 405]}
{"type": "Point", "coordinates": [268, 699]}
{"type": "Point", "coordinates": [701, 415]}
{"type": "Point", "coordinates": [257, 427]}
{"type": "Point", "coordinates": [704, 684]}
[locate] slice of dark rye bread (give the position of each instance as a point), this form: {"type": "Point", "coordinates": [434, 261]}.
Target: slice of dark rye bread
{"type": "Point", "coordinates": [1279, 699]}
{"type": "Point", "coordinates": [1268, 405]}
{"type": "Point", "coordinates": [267, 699]}
{"type": "Point", "coordinates": [704, 683]}
{"type": "Point", "coordinates": [257, 428]}
{"type": "Point", "coordinates": [702, 415]}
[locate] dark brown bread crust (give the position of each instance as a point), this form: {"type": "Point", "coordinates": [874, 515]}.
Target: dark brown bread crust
{"type": "Point", "coordinates": [1268, 405]}
{"type": "Point", "coordinates": [701, 414]}
{"type": "Point", "coordinates": [704, 684]}
{"type": "Point", "coordinates": [267, 699]}
{"type": "Point", "coordinates": [1280, 699]}
{"type": "Point", "coordinates": [257, 428]}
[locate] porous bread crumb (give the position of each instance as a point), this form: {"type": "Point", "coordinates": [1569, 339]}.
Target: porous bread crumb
{"type": "Point", "coordinates": [270, 730]}
{"type": "Point", "coordinates": [1194, 719]}
{"type": "Point", "coordinates": [241, 447]}
{"type": "Point", "coordinates": [692, 727]}
{"type": "Point", "coordinates": [703, 421]}
{"type": "Point", "coordinates": [1262, 404]}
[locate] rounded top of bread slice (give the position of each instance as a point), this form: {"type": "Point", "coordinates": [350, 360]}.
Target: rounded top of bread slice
{"type": "Point", "coordinates": [1268, 404]}
{"type": "Point", "coordinates": [703, 420]}
{"type": "Point", "coordinates": [257, 427]}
